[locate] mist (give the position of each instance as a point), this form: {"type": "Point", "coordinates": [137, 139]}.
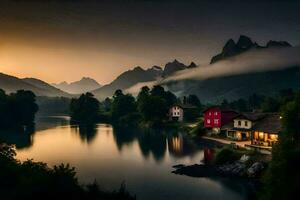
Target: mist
{"type": "Point", "coordinates": [260, 60]}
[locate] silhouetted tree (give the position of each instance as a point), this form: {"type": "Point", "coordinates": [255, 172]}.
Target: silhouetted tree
{"type": "Point", "coordinates": [282, 178]}
{"type": "Point", "coordinates": [122, 105]}
{"type": "Point", "coordinates": [85, 109]}
{"type": "Point", "coordinates": [17, 109]}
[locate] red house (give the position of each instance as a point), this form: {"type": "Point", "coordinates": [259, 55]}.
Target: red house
{"type": "Point", "coordinates": [215, 117]}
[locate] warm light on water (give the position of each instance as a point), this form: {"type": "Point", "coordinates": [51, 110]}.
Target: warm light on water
{"type": "Point", "coordinates": [144, 162]}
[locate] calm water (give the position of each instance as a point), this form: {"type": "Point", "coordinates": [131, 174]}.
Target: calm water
{"type": "Point", "coordinates": [142, 160]}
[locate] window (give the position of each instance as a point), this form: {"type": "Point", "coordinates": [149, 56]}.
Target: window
{"type": "Point", "coordinates": [209, 113]}
{"type": "Point", "coordinates": [216, 121]}
{"type": "Point", "coordinates": [239, 123]}
{"type": "Point", "coordinates": [216, 113]}
{"type": "Point", "coordinates": [208, 121]}
{"type": "Point", "coordinates": [246, 123]}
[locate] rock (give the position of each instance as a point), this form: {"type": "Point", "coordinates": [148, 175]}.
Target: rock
{"type": "Point", "coordinates": [197, 171]}
{"type": "Point", "coordinates": [234, 169]}
{"type": "Point", "coordinates": [256, 169]}
{"type": "Point", "coordinates": [244, 158]}
{"type": "Point", "coordinates": [178, 166]}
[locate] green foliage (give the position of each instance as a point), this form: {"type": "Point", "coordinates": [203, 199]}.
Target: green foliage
{"type": "Point", "coordinates": [35, 180]}
{"type": "Point", "coordinates": [85, 109]}
{"type": "Point", "coordinates": [154, 104]}
{"type": "Point", "coordinates": [53, 105]}
{"type": "Point", "coordinates": [122, 105]}
{"type": "Point", "coordinates": [226, 155]}
{"type": "Point", "coordinates": [194, 100]}
{"type": "Point", "coordinates": [17, 109]}
{"type": "Point", "coordinates": [198, 130]}
{"type": "Point", "coordinates": [282, 179]}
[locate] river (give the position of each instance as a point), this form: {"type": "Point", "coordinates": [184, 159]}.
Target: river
{"type": "Point", "coordinates": [143, 161]}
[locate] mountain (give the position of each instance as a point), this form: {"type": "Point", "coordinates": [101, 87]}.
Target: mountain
{"type": "Point", "coordinates": [40, 88]}
{"type": "Point", "coordinates": [128, 79]}
{"type": "Point", "coordinates": [233, 87]}
{"type": "Point", "coordinates": [244, 44]}
{"type": "Point", "coordinates": [47, 89]}
{"type": "Point", "coordinates": [172, 67]}
{"type": "Point", "coordinates": [84, 85]}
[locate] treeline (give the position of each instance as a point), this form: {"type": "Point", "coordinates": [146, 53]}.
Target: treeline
{"type": "Point", "coordinates": [150, 107]}
{"type": "Point", "coordinates": [283, 175]}
{"type": "Point", "coordinates": [35, 180]}
{"type": "Point", "coordinates": [257, 102]}
{"type": "Point", "coordinates": [53, 105]}
{"type": "Point", "coordinates": [17, 109]}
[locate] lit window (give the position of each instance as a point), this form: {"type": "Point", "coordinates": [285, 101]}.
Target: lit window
{"type": "Point", "coordinates": [208, 121]}
{"type": "Point", "coordinates": [216, 113]}
{"type": "Point", "coordinates": [216, 121]}
{"type": "Point", "coordinates": [209, 113]}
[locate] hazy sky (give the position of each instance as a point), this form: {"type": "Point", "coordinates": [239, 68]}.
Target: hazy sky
{"type": "Point", "coordinates": [57, 40]}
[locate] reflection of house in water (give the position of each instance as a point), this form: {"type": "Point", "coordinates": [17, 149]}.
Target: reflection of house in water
{"type": "Point", "coordinates": [179, 146]}
{"type": "Point", "coordinates": [209, 155]}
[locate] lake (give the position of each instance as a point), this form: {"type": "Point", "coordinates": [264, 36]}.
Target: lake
{"type": "Point", "coordinates": [143, 161]}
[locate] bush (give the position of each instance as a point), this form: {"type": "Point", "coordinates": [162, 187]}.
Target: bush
{"type": "Point", "coordinates": [226, 155]}
{"type": "Point", "coordinates": [198, 130]}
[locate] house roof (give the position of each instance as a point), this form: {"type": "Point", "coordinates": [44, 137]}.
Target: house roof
{"type": "Point", "coordinates": [185, 106]}
{"type": "Point", "coordinates": [271, 123]}
{"type": "Point", "coordinates": [251, 116]}
{"type": "Point", "coordinates": [221, 109]}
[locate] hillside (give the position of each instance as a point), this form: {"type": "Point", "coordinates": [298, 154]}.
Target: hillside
{"type": "Point", "coordinates": [128, 79]}
{"type": "Point", "coordinates": [239, 86]}
{"type": "Point", "coordinates": [40, 88]}
{"type": "Point", "coordinates": [86, 84]}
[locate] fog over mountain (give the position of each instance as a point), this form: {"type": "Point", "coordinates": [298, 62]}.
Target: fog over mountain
{"type": "Point", "coordinates": [263, 70]}
{"type": "Point", "coordinates": [86, 84]}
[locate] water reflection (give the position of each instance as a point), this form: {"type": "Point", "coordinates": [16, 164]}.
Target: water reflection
{"type": "Point", "coordinates": [86, 133]}
{"type": "Point", "coordinates": [21, 138]}
{"type": "Point", "coordinates": [143, 159]}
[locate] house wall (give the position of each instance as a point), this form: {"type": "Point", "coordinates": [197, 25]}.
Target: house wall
{"type": "Point", "coordinates": [244, 123]}
{"type": "Point", "coordinates": [212, 118]}
{"type": "Point", "coordinates": [176, 111]}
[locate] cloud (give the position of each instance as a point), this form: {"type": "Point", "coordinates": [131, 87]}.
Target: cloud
{"type": "Point", "coordinates": [250, 62]}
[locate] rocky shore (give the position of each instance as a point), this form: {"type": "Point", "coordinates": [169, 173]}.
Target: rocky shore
{"type": "Point", "coordinates": [239, 168]}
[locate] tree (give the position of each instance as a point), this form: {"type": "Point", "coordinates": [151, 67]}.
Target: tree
{"type": "Point", "coordinates": [154, 109]}
{"type": "Point", "coordinates": [122, 105]}
{"type": "Point", "coordinates": [17, 109]}
{"type": "Point", "coordinates": [85, 109]}
{"type": "Point", "coordinates": [270, 104]}
{"type": "Point", "coordinates": [194, 100]}
{"type": "Point", "coordinates": [282, 178]}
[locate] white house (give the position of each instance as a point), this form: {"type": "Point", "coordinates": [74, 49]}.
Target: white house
{"type": "Point", "coordinates": [177, 111]}
{"type": "Point", "coordinates": [241, 127]}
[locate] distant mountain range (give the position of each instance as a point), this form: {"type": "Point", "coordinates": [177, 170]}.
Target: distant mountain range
{"type": "Point", "coordinates": [128, 79]}
{"type": "Point", "coordinates": [244, 44]}
{"type": "Point", "coordinates": [40, 88]}
{"type": "Point", "coordinates": [212, 89]}
{"type": "Point", "coordinates": [86, 84]}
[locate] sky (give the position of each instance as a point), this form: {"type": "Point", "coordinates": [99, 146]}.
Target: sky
{"type": "Point", "coordinates": [64, 40]}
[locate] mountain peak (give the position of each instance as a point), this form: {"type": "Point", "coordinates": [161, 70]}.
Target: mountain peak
{"type": "Point", "coordinates": [273, 43]}
{"type": "Point", "coordinates": [85, 84]}
{"type": "Point", "coordinates": [244, 44]}
{"type": "Point", "coordinates": [172, 67]}
{"type": "Point", "coordinates": [192, 65]}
